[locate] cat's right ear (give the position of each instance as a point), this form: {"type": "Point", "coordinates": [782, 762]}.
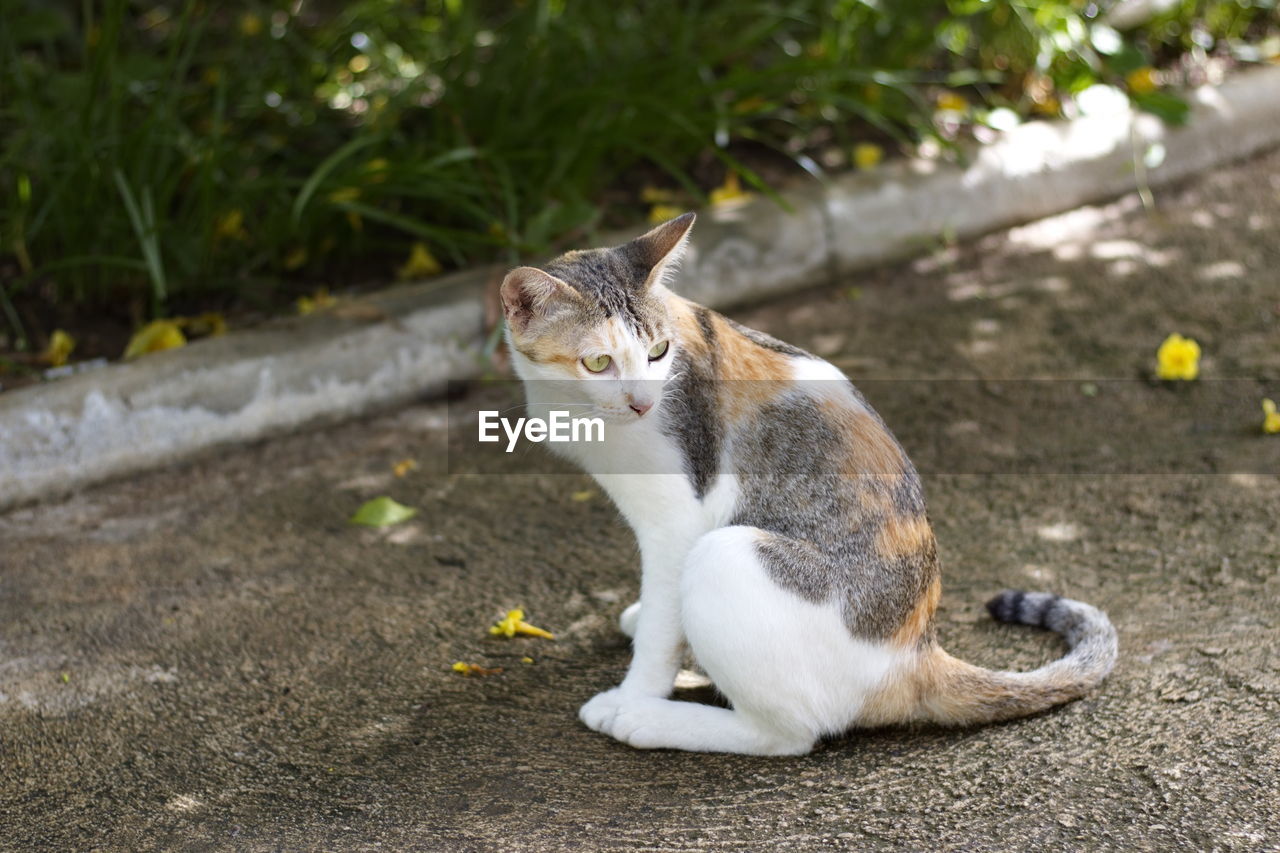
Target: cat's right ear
{"type": "Point", "coordinates": [660, 249]}
{"type": "Point", "coordinates": [528, 293]}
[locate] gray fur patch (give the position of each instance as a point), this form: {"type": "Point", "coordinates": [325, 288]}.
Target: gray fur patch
{"type": "Point", "coordinates": [691, 411]}
{"type": "Point", "coordinates": [768, 342]}
{"type": "Point", "coordinates": [614, 284]}
{"type": "Point", "coordinates": [820, 536]}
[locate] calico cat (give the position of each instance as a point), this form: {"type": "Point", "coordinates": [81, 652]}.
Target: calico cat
{"type": "Point", "coordinates": [782, 529]}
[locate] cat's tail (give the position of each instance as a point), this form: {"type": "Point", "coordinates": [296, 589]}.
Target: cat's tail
{"type": "Point", "coordinates": [946, 690]}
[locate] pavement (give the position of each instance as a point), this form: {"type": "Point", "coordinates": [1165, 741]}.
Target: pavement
{"type": "Point", "coordinates": [209, 657]}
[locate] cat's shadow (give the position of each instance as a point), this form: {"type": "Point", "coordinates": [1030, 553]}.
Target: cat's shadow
{"type": "Point", "coordinates": [693, 686]}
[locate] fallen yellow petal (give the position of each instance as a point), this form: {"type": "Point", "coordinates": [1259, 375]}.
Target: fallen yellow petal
{"type": "Point", "coordinates": [296, 258]}
{"type": "Point", "coordinates": [1178, 358]}
{"type": "Point", "coordinates": [656, 195]}
{"type": "Point", "coordinates": [1050, 106]}
{"type": "Point", "coordinates": [582, 496]}
{"type": "Point", "coordinates": [533, 631]}
{"type": "Point", "coordinates": [474, 669]}
{"type": "Point", "coordinates": [317, 301]}
{"type": "Point", "coordinates": [662, 212]}
{"type": "Point", "coordinates": [344, 194]}
{"type": "Point", "coordinates": [404, 466]}
{"type": "Point", "coordinates": [59, 350]}
{"type": "Point", "coordinates": [514, 624]}
{"type": "Point", "coordinates": [730, 191]}
{"type": "Point", "coordinates": [421, 263]}
{"type": "Point", "coordinates": [1270, 417]}
{"type": "Point", "coordinates": [250, 24]}
{"type": "Point", "coordinates": [230, 226]}
{"type": "Point", "coordinates": [210, 323]}
{"type": "Point", "coordinates": [156, 336]}
{"type": "Point", "coordinates": [867, 155]}
{"type": "Point", "coordinates": [1142, 81]}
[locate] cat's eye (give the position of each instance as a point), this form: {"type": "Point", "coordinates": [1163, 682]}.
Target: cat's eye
{"type": "Point", "coordinates": [596, 363]}
{"type": "Point", "coordinates": [658, 351]}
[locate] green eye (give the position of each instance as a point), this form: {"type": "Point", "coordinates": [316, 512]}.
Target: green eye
{"type": "Point", "coordinates": [658, 351]}
{"type": "Point", "coordinates": [596, 363]}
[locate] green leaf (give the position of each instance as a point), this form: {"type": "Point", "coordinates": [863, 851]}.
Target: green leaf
{"type": "Point", "coordinates": [1128, 59]}
{"type": "Point", "coordinates": [1169, 107]}
{"type": "Point", "coordinates": [382, 512]}
{"type": "Point", "coordinates": [324, 169]}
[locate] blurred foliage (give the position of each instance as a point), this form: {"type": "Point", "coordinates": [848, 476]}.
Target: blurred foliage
{"type": "Point", "coordinates": [156, 150]}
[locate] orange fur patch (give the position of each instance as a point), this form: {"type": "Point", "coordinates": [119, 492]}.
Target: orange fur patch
{"type": "Point", "coordinates": [921, 616]}
{"type": "Point", "coordinates": [936, 687]}
{"type": "Point", "coordinates": [871, 450]}
{"type": "Point", "coordinates": [904, 537]}
{"type": "Point", "coordinates": [688, 332]}
{"type": "Point", "coordinates": [544, 351]}
{"type": "Point", "coordinates": [754, 375]}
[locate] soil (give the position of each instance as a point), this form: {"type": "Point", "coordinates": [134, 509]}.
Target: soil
{"type": "Point", "coordinates": [211, 658]}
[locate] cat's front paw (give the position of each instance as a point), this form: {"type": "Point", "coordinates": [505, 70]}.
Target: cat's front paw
{"type": "Point", "coordinates": [630, 718]}
{"type": "Point", "coordinates": [601, 710]}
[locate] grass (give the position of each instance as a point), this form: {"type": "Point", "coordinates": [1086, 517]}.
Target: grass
{"type": "Point", "coordinates": [155, 156]}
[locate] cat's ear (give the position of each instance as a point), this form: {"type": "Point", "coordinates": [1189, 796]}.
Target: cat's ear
{"type": "Point", "coordinates": [661, 249]}
{"type": "Point", "coordinates": [529, 293]}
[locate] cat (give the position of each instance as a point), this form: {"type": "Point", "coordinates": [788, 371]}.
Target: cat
{"type": "Point", "coordinates": [782, 530]}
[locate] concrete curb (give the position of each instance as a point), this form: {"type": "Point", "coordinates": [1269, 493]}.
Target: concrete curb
{"type": "Point", "coordinates": [249, 385]}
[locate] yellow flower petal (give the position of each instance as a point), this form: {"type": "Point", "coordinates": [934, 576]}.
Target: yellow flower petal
{"type": "Point", "coordinates": [867, 155]}
{"type": "Point", "coordinates": [952, 102]}
{"type": "Point", "coordinates": [156, 336]}
{"type": "Point", "coordinates": [404, 466]}
{"type": "Point", "coordinates": [317, 301]}
{"type": "Point", "coordinates": [344, 194]}
{"type": "Point", "coordinates": [474, 669]}
{"type": "Point", "coordinates": [582, 496]}
{"type": "Point", "coordinates": [376, 169]}
{"type": "Point", "coordinates": [730, 192]}
{"type": "Point", "coordinates": [296, 258]}
{"type": "Point", "coordinates": [660, 213]}
{"type": "Point", "coordinates": [421, 264]}
{"type": "Point", "coordinates": [1270, 417]}
{"type": "Point", "coordinates": [210, 323]}
{"type": "Point", "coordinates": [656, 195]}
{"type": "Point", "coordinates": [230, 226]}
{"type": "Point", "coordinates": [1178, 358]}
{"type": "Point", "coordinates": [59, 349]}
{"type": "Point", "coordinates": [250, 24]}
{"type": "Point", "coordinates": [1142, 81]}
{"type": "Point", "coordinates": [514, 624]}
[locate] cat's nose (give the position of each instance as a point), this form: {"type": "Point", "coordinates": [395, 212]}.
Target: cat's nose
{"type": "Point", "coordinates": [638, 405]}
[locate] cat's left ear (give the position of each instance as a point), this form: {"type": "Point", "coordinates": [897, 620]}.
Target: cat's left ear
{"type": "Point", "coordinates": [661, 249]}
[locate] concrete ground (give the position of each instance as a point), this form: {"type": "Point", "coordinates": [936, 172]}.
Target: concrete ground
{"type": "Point", "coordinates": [212, 658]}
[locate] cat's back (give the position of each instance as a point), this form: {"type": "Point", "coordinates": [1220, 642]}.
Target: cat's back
{"type": "Point", "coordinates": [817, 470]}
